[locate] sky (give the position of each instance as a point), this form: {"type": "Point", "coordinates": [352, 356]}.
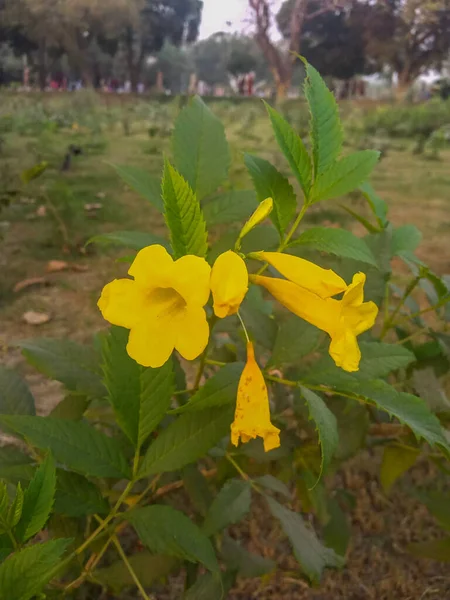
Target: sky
{"type": "Point", "coordinates": [216, 14]}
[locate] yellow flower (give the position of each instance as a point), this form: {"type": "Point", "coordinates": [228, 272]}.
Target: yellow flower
{"type": "Point", "coordinates": [252, 416]}
{"type": "Point", "coordinates": [343, 320]}
{"type": "Point", "coordinates": [262, 212]}
{"type": "Point", "coordinates": [162, 306]}
{"type": "Point", "coordinates": [229, 283]}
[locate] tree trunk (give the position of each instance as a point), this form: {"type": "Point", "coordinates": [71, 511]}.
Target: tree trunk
{"type": "Point", "coordinates": [405, 80]}
{"type": "Point", "coordinates": [134, 64]}
{"type": "Point", "coordinates": [42, 64]}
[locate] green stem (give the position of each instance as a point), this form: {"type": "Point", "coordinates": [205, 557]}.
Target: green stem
{"type": "Point", "coordinates": [127, 563]}
{"type": "Point", "coordinates": [388, 323]}
{"type": "Point", "coordinates": [242, 473]}
{"type": "Point", "coordinates": [13, 539]}
{"type": "Point", "coordinates": [215, 363]}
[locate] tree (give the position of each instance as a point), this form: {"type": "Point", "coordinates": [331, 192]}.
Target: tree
{"type": "Point", "coordinates": [282, 62]}
{"type": "Point", "coordinates": [409, 36]}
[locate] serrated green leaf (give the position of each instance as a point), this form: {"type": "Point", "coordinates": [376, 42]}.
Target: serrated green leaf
{"type": "Point", "coordinates": [230, 506]}
{"type": "Point", "coordinates": [405, 240]}
{"type": "Point", "coordinates": [38, 500]}
{"type": "Point", "coordinates": [165, 530]}
{"type": "Point", "coordinates": [336, 241]}
{"type": "Point", "coordinates": [326, 426]}
{"type": "Point", "coordinates": [270, 183]}
{"type": "Point", "coordinates": [76, 496]}
{"type": "Point", "coordinates": [326, 130]}
{"type": "Point", "coordinates": [15, 510]}
{"type": "Point", "coordinates": [185, 440]}
{"type": "Point", "coordinates": [129, 239]}
{"type": "Point", "coordinates": [275, 485]}
{"type": "Point", "coordinates": [433, 549]}
{"type": "Point", "coordinates": [344, 175]}
{"type": "Point", "coordinates": [15, 466]}
{"type": "Point", "coordinates": [71, 407]}
{"type": "Point", "coordinates": [73, 443]}
{"type": "Point", "coordinates": [438, 504]}
{"type": "Point", "coordinates": [183, 215]}
{"type": "Point", "coordinates": [196, 486]}
{"type": "Point", "coordinates": [208, 586]}
{"type": "Point", "coordinates": [150, 569]}
{"type": "Point", "coordinates": [293, 149]}
{"type": "Point", "coordinates": [24, 574]}
{"type": "Point", "coordinates": [378, 205]}
{"type": "Point", "coordinates": [220, 389]}
{"type": "Point", "coordinates": [72, 364]}
{"type": "Point", "coordinates": [380, 359]}
{"type": "Point", "coordinates": [309, 551]}
{"type": "Point", "coordinates": [396, 461]}
{"type": "Point", "coordinates": [245, 563]}
{"type": "Point", "coordinates": [200, 148]}
{"type": "Point", "coordinates": [230, 207]}
{"type": "Point", "coordinates": [15, 397]}
{"type": "Point", "coordinates": [295, 339]}
{"type": "Point", "coordinates": [140, 397]}
{"type": "Point", "coordinates": [337, 531]}
{"type": "Point", "coordinates": [142, 182]}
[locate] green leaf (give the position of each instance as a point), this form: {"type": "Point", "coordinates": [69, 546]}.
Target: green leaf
{"type": "Point", "coordinates": [270, 183]}
{"type": "Point", "coordinates": [15, 510]}
{"type": "Point", "coordinates": [293, 149]}
{"type": "Point", "coordinates": [15, 466]}
{"type": "Point", "coordinates": [15, 397]}
{"type": "Point", "coordinates": [165, 530]}
{"type": "Point", "coordinates": [326, 426]}
{"type": "Point", "coordinates": [185, 440]}
{"type": "Point", "coordinates": [295, 339]}
{"type": "Point", "coordinates": [208, 586]}
{"type": "Point", "coordinates": [378, 205]}
{"type": "Point", "coordinates": [336, 241]}
{"type": "Point", "coordinates": [72, 364]}
{"type": "Point", "coordinates": [230, 207]}
{"type": "Point", "coordinates": [433, 549]}
{"type": "Point", "coordinates": [129, 239]}
{"type": "Point", "coordinates": [33, 173]}
{"type": "Point", "coordinates": [429, 388]}
{"type": "Point", "coordinates": [245, 563]}
{"type": "Point", "coordinates": [380, 359]}
{"type": "Point", "coordinates": [71, 407]}
{"type": "Point", "coordinates": [275, 485]}
{"type": "Point", "coordinates": [73, 443]}
{"type": "Point", "coordinates": [24, 574]}
{"type": "Point", "coordinates": [38, 500]}
{"type": "Point", "coordinates": [140, 397]}
{"type": "Point", "coordinates": [326, 130]}
{"type": "Point", "coordinates": [200, 148]}
{"type": "Point", "coordinates": [262, 328]}
{"type": "Point", "coordinates": [405, 240]}
{"type": "Point", "coordinates": [438, 505]}
{"type": "Point", "coordinates": [230, 506]}
{"type": "Point", "coordinates": [150, 569]}
{"type": "Point", "coordinates": [196, 486]}
{"type": "Point", "coordinates": [396, 461]}
{"type": "Point", "coordinates": [337, 531]}
{"type": "Point", "coordinates": [344, 175]}
{"type": "Point", "coordinates": [220, 389]}
{"type": "Point", "coordinates": [309, 551]}
{"type": "Point", "coordinates": [76, 496]}
{"type": "Point", "coordinates": [141, 182]}
{"type": "Point", "coordinates": [183, 215]}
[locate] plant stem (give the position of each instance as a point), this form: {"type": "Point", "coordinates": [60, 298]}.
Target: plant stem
{"type": "Point", "coordinates": [243, 327]}
{"type": "Point", "coordinates": [215, 363]}
{"type": "Point", "coordinates": [288, 237]}
{"type": "Point", "coordinates": [124, 557]}
{"type": "Point", "coordinates": [388, 323]}
{"type": "Point", "coordinates": [13, 539]}
{"type": "Point", "coordinates": [242, 473]}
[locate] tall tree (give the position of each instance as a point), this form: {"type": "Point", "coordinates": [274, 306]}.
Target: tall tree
{"type": "Point", "coordinates": [281, 61]}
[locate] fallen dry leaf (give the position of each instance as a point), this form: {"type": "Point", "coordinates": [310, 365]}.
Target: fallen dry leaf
{"type": "Point", "coordinates": [53, 266]}
{"type": "Point", "coordinates": [35, 318]}
{"type": "Point", "coordinates": [41, 211]}
{"type": "Point", "coordinates": [26, 283]}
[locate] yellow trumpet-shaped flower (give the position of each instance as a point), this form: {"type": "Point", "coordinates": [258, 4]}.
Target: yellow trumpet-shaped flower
{"type": "Point", "coordinates": [343, 319]}
{"type": "Point", "coordinates": [162, 306]}
{"type": "Point", "coordinates": [262, 212]}
{"type": "Point", "coordinates": [252, 416]}
{"type": "Point", "coordinates": [229, 283]}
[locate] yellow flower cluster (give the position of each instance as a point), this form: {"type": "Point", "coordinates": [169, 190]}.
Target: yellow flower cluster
{"type": "Point", "coordinates": [163, 306]}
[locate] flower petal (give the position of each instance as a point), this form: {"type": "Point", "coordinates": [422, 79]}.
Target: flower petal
{"type": "Point", "coordinates": [324, 314]}
{"type": "Point", "coordinates": [345, 352]}
{"type": "Point", "coordinates": [151, 343]}
{"type": "Point", "coordinates": [354, 295]}
{"type": "Point", "coordinates": [252, 416]}
{"type": "Point", "coordinates": [360, 318]}
{"type": "Point", "coordinates": [229, 283]}
{"type": "Point", "coordinates": [121, 303]}
{"type": "Point", "coordinates": [190, 276]}
{"type": "Point", "coordinates": [152, 267]}
{"type": "Point", "coordinates": [323, 282]}
{"type": "Point", "coordinates": [192, 333]}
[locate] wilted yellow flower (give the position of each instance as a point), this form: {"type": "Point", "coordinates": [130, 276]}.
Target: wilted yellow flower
{"type": "Point", "coordinates": [229, 283]}
{"type": "Point", "coordinates": [343, 320]}
{"type": "Point", "coordinates": [252, 416]}
{"type": "Point", "coordinates": [162, 306]}
{"type": "Point", "coordinates": [261, 213]}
